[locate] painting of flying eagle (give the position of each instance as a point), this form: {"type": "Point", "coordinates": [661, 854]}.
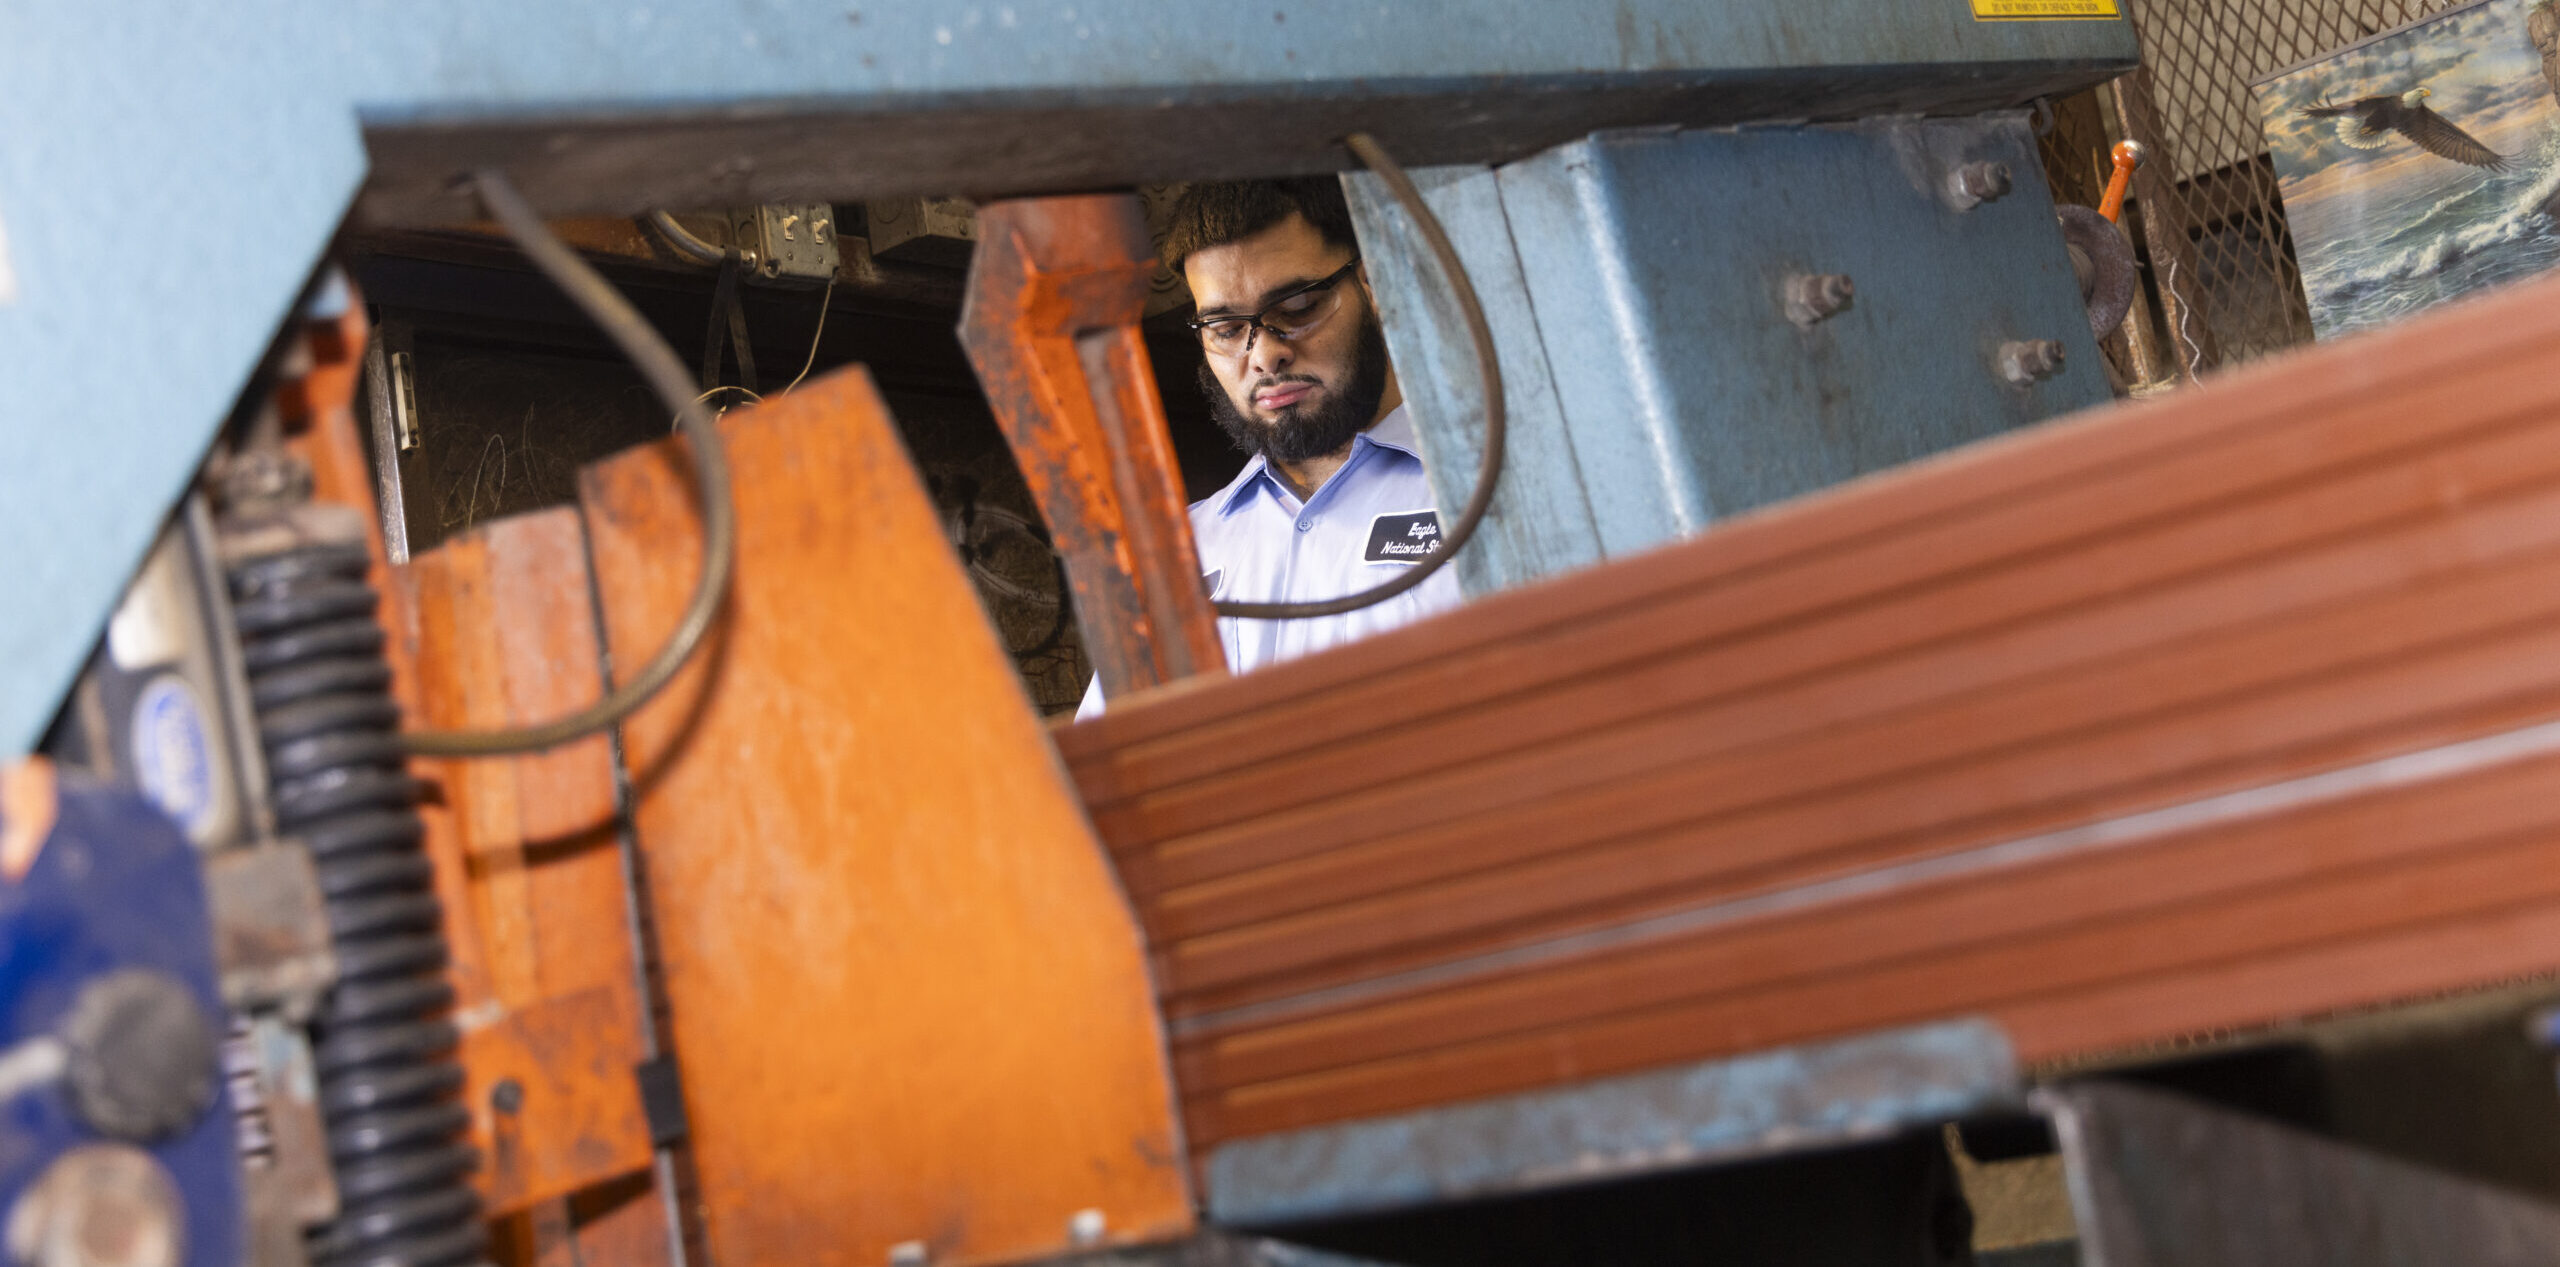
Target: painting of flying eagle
{"type": "Point", "coordinates": [2419, 164]}
{"type": "Point", "coordinates": [2368, 123]}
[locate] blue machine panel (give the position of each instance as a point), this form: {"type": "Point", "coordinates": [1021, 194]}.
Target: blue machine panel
{"type": "Point", "coordinates": [116, 886]}
{"type": "Point", "coordinates": [1636, 279]}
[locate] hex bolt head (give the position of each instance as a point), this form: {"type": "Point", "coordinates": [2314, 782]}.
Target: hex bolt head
{"type": "Point", "coordinates": [143, 1057]}
{"type": "Point", "coordinates": [507, 1097]}
{"type": "Point", "coordinates": [1815, 297]}
{"type": "Point", "coordinates": [2026, 362]}
{"type": "Point", "coordinates": [1972, 184]}
{"type": "Point", "coordinates": [99, 1205]}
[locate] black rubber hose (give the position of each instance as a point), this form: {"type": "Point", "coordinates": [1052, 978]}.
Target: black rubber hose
{"type": "Point", "coordinates": [390, 1082]}
{"type": "Point", "coordinates": [1488, 367]}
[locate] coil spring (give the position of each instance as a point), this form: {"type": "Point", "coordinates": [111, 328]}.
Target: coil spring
{"type": "Point", "coordinates": [389, 1082]}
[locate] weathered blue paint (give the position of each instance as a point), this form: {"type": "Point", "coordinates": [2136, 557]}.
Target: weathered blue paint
{"type": "Point", "coordinates": [1794, 1098]}
{"type": "Point", "coordinates": [1656, 262]}
{"type": "Point", "coordinates": [116, 886]}
{"type": "Point", "coordinates": [1634, 279]}
{"type": "Point", "coordinates": [1540, 519]}
{"type": "Point", "coordinates": [173, 171]}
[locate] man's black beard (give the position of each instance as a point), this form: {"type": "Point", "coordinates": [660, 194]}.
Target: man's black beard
{"type": "Point", "coordinates": [1302, 432]}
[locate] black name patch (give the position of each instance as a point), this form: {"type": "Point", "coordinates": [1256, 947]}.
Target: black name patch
{"type": "Point", "coordinates": [1404, 538]}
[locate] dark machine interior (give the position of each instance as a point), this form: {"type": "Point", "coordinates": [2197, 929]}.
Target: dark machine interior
{"type": "Point", "coordinates": [511, 391]}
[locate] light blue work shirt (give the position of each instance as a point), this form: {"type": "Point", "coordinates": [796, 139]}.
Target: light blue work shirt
{"type": "Point", "coordinates": [1259, 543]}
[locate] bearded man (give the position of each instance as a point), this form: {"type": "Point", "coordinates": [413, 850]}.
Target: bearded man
{"type": "Point", "coordinates": [1295, 368]}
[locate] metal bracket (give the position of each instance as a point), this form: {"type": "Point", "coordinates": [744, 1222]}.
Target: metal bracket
{"type": "Point", "coordinates": [391, 415]}
{"type": "Point", "coordinates": [270, 929]}
{"type": "Point", "coordinates": [662, 1101]}
{"type": "Point", "coordinates": [938, 231]}
{"type": "Point", "coordinates": [788, 241]}
{"type": "Point", "coordinates": [283, 1143]}
{"type": "Point", "coordinates": [2160, 1180]}
{"type": "Point", "coordinates": [1055, 295]}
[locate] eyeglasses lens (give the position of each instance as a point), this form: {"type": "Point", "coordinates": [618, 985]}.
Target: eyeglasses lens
{"type": "Point", "coordinates": [1230, 336]}
{"type": "Point", "coordinates": [1226, 336]}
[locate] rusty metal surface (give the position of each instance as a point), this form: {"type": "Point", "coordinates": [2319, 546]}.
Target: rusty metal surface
{"type": "Point", "coordinates": [270, 931]}
{"type": "Point", "coordinates": [2216, 710]}
{"type": "Point", "coordinates": [906, 1000]}
{"type": "Point", "coordinates": [2160, 1180]}
{"type": "Point", "coordinates": [620, 1225]}
{"type": "Point", "coordinates": [554, 1106]}
{"type": "Point", "coordinates": [1819, 1095]}
{"type": "Point", "coordinates": [1056, 291]}
{"type": "Point", "coordinates": [507, 637]}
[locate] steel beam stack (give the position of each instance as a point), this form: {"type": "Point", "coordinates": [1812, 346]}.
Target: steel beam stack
{"type": "Point", "coordinates": [2233, 708]}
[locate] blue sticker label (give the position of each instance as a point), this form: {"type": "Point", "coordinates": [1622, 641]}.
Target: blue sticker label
{"type": "Point", "coordinates": [172, 759]}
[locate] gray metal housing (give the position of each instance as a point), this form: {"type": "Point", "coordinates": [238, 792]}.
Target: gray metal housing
{"type": "Point", "coordinates": [1637, 282]}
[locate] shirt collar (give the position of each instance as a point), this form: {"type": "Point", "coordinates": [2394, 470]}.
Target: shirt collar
{"type": "Point", "coordinates": [1395, 431]}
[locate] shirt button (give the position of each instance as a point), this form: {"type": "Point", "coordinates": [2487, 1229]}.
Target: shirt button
{"type": "Point", "coordinates": [1305, 524]}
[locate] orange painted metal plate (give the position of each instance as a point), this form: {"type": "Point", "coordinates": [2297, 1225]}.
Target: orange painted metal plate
{"type": "Point", "coordinates": [507, 637]}
{"type": "Point", "coordinates": [907, 999]}
{"type": "Point", "coordinates": [2021, 732]}
{"type": "Point", "coordinates": [580, 1125]}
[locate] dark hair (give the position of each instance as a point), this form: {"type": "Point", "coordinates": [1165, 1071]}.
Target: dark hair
{"type": "Point", "coordinates": [1215, 213]}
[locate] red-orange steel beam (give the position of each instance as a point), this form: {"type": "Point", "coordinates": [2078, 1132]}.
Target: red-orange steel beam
{"type": "Point", "coordinates": [2224, 709]}
{"type": "Point", "coordinates": [1051, 323]}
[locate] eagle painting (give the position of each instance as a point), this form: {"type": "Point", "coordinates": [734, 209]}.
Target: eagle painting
{"type": "Point", "coordinates": [2369, 122]}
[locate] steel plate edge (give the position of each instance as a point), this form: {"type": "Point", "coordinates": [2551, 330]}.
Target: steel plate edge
{"type": "Point", "coordinates": [1784, 1100]}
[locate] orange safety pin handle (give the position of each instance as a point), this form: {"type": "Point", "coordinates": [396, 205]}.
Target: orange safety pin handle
{"type": "Point", "coordinates": [2128, 155]}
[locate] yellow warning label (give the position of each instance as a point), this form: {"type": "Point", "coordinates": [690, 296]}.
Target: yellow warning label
{"type": "Point", "coordinates": [2042, 10]}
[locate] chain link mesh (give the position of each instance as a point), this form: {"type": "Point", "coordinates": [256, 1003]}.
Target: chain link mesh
{"type": "Point", "coordinates": [2206, 200]}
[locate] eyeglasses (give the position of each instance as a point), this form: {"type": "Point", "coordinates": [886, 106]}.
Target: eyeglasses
{"type": "Point", "coordinates": [1284, 318]}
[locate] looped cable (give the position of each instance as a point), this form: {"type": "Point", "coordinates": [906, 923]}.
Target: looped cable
{"type": "Point", "coordinates": [666, 375]}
